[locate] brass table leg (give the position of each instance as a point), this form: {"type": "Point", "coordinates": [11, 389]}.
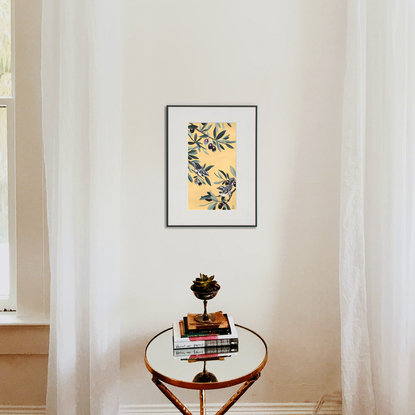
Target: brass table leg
{"type": "Point", "coordinates": [225, 408]}
{"type": "Point", "coordinates": [202, 398]}
{"type": "Point", "coordinates": [171, 397]}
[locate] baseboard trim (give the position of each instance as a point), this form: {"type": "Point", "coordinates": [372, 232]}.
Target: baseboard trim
{"type": "Point", "coordinates": [168, 409]}
{"type": "Point", "coordinates": [22, 410]}
{"type": "Point", "coordinates": [248, 409]}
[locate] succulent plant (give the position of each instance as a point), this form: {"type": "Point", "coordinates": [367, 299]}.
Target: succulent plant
{"type": "Point", "coordinates": [205, 283]}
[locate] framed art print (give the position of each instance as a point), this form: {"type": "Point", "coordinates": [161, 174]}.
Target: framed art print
{"type": "Point", "coordinates": [211, 165]}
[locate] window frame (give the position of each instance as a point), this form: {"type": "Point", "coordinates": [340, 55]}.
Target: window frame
{"type": "Point", "coordinates": [9, 104]}
{"type": "Point", "coordinates": [28, 219]}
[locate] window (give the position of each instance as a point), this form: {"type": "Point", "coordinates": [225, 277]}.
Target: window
{"type": "Point", "coordinates": [27, 281]}
{"type": "Point", "coordinates": [7, 176]}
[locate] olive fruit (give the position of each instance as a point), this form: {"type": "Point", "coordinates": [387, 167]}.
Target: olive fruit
{"type": "Point", "coordinates": [213, 148]}
{"type": "Point", "coordinates": [234, 183]}
{"type": "Point", "coordinates": [210, 146]}
{"type": "Point", "coordinates": [192, 130]}
{"type": "Point", "coordinates": [206, 140]}
{"type": "Point", "coordinates": [220, 205]}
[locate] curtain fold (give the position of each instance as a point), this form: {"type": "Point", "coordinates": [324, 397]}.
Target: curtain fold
{"type": "Point", "coordinates": [377, 228]}
{"type": "Point", "coordinates": [82, 151]}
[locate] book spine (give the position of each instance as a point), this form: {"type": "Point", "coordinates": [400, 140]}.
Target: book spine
{"type": "Point", "coordinates": [202, 351]}
{"type": "Point", "coordinates": [180, 344]}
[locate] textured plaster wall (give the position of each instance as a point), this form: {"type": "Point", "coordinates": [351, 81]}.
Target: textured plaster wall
{"type": "Point", "coordinates": [281, 278]}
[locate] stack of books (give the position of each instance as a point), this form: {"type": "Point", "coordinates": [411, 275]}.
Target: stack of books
{"type": "Point", "coordinates": [189, 334]}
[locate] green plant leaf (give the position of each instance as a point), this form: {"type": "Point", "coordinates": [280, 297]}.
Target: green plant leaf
{"type": "Point", "coordinates": [221, 134]}
{"type": "Point", "coordinates": [228, 145]}
{"type": "Point", "coordinates": [229, 124]}
{"type": "Point", "coordinates": [208, 181]}
{"type": "Point", "coordinates": [214, 133]}
{"type": "Point", "coordinates": [208, 167]}
{"type": "Point", "coordinates": [221, 146]}
{"type": "Point", "coordinates": [190, 178]}
{"type": "Point", "coordinates": [222, 172]}
{"type": "Point", "coordinates": [218, 182]}
{"type": "Point", "coordinates": [210, 207]}
{"type": "Point", "coordinates": [212, 195]}
{"type": "Point", "coordinates": [206, 152]}
{"type": "Point", "coordinates": [232, 171]}
{"type": "Point", "coordinates": [226, 137]}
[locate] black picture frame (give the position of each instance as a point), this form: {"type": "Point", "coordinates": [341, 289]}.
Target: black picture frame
{"type": "Point", "coordinates": [245, 119]}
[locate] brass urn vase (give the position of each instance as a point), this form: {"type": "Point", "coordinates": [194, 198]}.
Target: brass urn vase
{"type": "Point", "coordinates": [205, 288]}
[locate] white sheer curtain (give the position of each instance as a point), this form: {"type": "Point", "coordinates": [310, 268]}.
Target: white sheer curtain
{"type": "Point", "coordinates": [82, 140]}
{"type": "Point", "coordinates": [377, 232]}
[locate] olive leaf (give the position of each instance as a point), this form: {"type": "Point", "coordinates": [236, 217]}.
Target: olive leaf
{"type": "Point", "coordinates": [221, 134]}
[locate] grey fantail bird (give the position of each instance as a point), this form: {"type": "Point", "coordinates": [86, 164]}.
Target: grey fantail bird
{"type": "Point", "coordinates": [198, 169]}
{"type": "Point", "coordinates": [226, 190]}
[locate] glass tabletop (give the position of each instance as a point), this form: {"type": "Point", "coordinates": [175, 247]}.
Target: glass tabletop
{"type": "Point", "coordinates": [232, 369]}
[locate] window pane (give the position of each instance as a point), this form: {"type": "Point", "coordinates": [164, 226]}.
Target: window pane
{"type": "Point", "coordinates": [4, 210]}
{"type": "Point", "coordinates": [5, 49]}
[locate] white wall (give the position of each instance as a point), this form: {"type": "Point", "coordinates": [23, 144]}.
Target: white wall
{"type": "Point", "coordinates": [280, 279]}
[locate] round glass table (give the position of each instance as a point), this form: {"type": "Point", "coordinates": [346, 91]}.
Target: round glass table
{"type": "Point", "coordinates": [212, 372]}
